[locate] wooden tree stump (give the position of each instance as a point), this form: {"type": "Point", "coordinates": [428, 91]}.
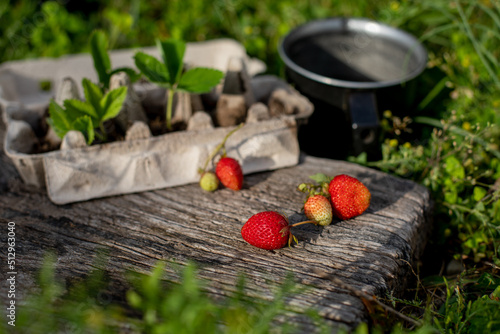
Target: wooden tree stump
{"type": "Point", "coordinates": [372, 253]}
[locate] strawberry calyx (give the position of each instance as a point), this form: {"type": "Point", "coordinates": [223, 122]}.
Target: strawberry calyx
{"type": "Point", "coordinates": [320, 187]}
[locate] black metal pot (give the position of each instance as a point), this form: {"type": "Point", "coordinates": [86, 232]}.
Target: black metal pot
{"type": "Point", "coordinates": [342, 64]}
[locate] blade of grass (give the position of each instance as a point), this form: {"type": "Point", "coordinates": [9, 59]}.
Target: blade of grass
{"type": "Point", "coordinates": [497, 5]}
{"type": "Point", "coordinates": [493, 15]}
{"type": "Point", "coordinates": [443, 8]}
{"type": "Point", "coordinates": [456, 130]}
{"type": "Point", "coordinates": [437, 30]}
{"type": "Point", "coordinates": [475, 44]}
{"type": "Point", "coordinates": [433, 93]}
{"type": "Point", "coordinates": [489, 56]}
{"type": "Point", "coordinates": [487, 30]}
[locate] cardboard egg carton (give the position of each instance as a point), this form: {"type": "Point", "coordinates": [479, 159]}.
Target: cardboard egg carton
{"type": "Point", "coordinates": [140, 162]}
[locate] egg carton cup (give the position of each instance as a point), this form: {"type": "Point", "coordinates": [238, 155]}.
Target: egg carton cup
{"type": "Point", "coordinates": [142, 162]}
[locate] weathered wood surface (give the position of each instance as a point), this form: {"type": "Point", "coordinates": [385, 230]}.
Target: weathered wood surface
{"type": "Point", "coordinates": [372, 252]}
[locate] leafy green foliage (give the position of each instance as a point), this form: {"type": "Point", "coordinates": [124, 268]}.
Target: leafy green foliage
{"type": "Point", "coordinates": [64, 120]}
{"type": "Point", "coordinates": [102, 63]}
{"type": "Point", "coordinates": [169, 74]}
{"type": "Point", "coordinates": [151, 305]}
{"type": "Point", "coordinates": [35, 29]}
{"type": "Point", "coordinates": [186, 309]}
{"type": "Point", "coordinates": [449, 143]}
{"type": "Point", "coordinates": [86, 116]}
{"type": "Point", "coordinates": [183, 309]}
{"type": "Point", "coordinates": [56, 307]}
{"type": "Point", "coordinates": [460, 167]}
{"type": "Point", "coordinates": [462, 314]}
{"type": "Point", "coordinates": [447, 140]}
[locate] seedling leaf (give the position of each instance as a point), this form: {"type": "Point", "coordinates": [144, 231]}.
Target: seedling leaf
{"type": "Point", "coordinates": [172, 53]}
{"type": "Point", "coordinates": [152, 68]}
{"type": "Point", "coordinates": [320, 178]}
{"type": "Point", "coordinates": [58, 120]}
{"type": "Point", "coordinates": [84, 125]}
{"type": "Point", "coordinates": [200, 80]}
{"type": "Point", "coordinates": [98, 47]}
{"type": "Point", "coordinates": [112, 102]}
{"type": "Point", "coordinates": [93, 94]}
{"type": "Point", "coordinates": [169, 73]}
{"type": "Point", "coordinates": [76, 108]}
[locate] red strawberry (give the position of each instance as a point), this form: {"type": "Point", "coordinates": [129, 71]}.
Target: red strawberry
{"type": "Point", "coordinates": [349, 196]}
{"type": "Point", "coordinates": [269, 230]}
{"type": "Point", "coordinates": [319, 209]}
{"type": "Point", "coordinates": [266, 230]}
{"type": "Point", "coordinates": [229, 173]}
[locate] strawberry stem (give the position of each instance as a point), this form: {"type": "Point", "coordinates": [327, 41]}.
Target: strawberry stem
{"type": "Point", "coordinates": [292, 238]}
{"type": "Point", "coordinates": [168, 112]}
{"type": "Point", "coordinates": [219, 147]}
{"type": "Point", "coordinates": [305, 222]}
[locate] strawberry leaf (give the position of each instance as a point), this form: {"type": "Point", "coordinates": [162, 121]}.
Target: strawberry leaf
{"type": "Point", "coordinates": [93, 94]}
{"type": "Point", "coordinates": [58, 120]}
{"type": "Point", "coordinates": [199, 80]}
{"type": "Point", "coordinates": [112, 102]}
{"type": "Point", "coordinates": [172, 53]}
{"type": "Point", "coordinates": [76, 108]}
{"type": "Point", "coordinates": [102, 64]}
{"type": "Point", "coordinates": [320, 178]}
{"type": "Point", "coordinates": [84, 125]}
{"type": "Point", "coordinates": [152, 68]}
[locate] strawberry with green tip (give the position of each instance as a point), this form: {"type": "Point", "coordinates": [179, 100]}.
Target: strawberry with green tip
{"type": "Point", "coordinates": [319, 209]}
{"type": "Point", "coordinates": [349, 197]}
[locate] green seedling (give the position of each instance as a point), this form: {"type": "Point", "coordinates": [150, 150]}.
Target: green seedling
{"type": "Point", "coordinates": [86, 116]}
{"type": "Point", "coordinates": [169, 74]}
{"type": "Point", "coordinates": [102, 63]}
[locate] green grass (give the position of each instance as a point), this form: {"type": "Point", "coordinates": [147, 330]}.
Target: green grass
{"type": "Point", "coordinates": [151, 303]}
{"type": "Point", "coordinates": [448, 139]}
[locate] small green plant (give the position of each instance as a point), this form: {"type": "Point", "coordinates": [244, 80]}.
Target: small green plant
{"type": "Point", "coordinates": [152, 304]}
{"type": "Point", "coordinates": [86, 116]}
{"type": "Point", "coordinates": [169, 73]}
{"type": "Point", "coordinates": [186, 308]}
{"type": "Point", "coordinates": [466, 312]}
{"type": "Point", "coordinates": [102, 63]}
{"type": "Point", "coordinates": [79, 305]}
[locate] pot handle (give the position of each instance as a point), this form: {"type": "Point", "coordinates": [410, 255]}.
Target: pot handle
{"type": "Point", "coordinates": [364, 121]}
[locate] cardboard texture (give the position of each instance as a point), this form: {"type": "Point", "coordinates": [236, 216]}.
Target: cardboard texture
{"type": "Point", "coordinates": [141, 162]}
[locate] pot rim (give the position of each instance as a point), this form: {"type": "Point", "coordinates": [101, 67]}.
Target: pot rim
{"type": "Point", "coordinates": [368, 26]}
